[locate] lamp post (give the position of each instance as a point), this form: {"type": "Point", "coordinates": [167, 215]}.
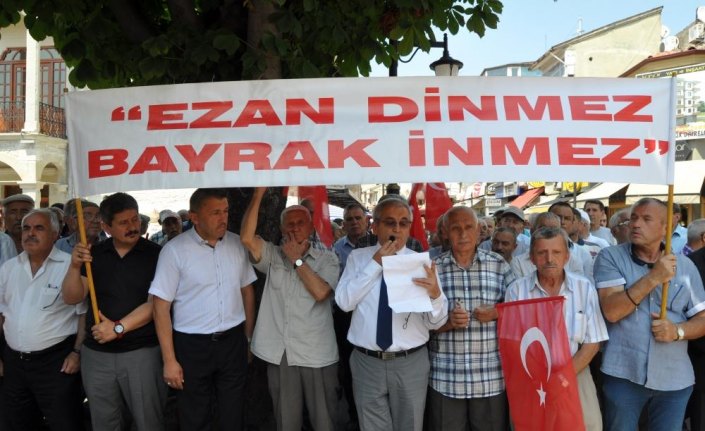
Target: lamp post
{"type": "Point", "coordinates": [444, 66]}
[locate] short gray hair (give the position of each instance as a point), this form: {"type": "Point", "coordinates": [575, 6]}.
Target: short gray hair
{"type": "Point", "coordinates": [446, 219]}
{"type": "Point", "coordinates": [696, 229]}
{"type": "Point", "coordinates": [293, 208]}
{"type": "Point", "coordinates": [505, 230]}
{"type": "Point", "coordinates": [545, 217]}
{"type": "Point", "coordinates": [548, 233]}
{"type": "Point", "coordinates": [49, 214]}
{"type": "Point", "coordinates": [391, 201]}
{"type": "Point", "coordinates": [616, 216]}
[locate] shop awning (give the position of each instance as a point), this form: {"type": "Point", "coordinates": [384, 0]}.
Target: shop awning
{"type": "Point", "coordinates": [601, 192]}
{"type": "Point", "coordinates": [526, 198]}
{"type": "Point", "coordinates": [687, 187]}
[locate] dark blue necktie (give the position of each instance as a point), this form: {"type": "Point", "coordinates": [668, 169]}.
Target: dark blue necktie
{"type": "Point", "coordinates": [384, 319]}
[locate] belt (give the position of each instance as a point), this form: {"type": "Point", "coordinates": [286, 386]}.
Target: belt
{"type": "Point", "coordinates": [217, 336]}
{"type": "Point", "coordinates": [30, 356]}
{"type": "Point", "coordinates": [388, 356]}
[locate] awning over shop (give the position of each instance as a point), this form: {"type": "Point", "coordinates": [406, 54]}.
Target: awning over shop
{"type": "Point", "coordinates": [601, 192]}
{"type": "Point", "coordinates": [542, 207]}
{"type": "Point", "coordinates": [687, 187]}
{"type": "Point", "coordinates": [526, 198]}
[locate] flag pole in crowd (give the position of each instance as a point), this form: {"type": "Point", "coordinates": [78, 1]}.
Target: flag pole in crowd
{"type": "Point", "coordinates": [89, 272]}
{"type": "Point", "coordinates": [669, 223]}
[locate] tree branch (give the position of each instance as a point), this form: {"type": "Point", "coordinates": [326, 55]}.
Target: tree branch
{"type": "Point", "coordinates": [259, 23]}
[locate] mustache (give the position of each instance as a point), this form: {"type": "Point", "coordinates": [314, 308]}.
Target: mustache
{"type": "Point", "coordinates": [132, 233]}
{"type": "Point", "coordinates": [33, 239]}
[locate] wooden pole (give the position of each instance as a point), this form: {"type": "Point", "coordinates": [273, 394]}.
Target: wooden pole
{"type": "Point", "coordinates": [89, 271]}
{"type": "Point", "coordinates": [669, 235]}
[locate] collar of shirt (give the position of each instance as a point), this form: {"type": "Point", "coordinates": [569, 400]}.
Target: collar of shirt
{"type": "Point", "coordinates": [565, 285]}
{"type": "Point", "coordinates": [404, 250]}
{"type": "Point", "coordinates": [55, 255]}
{"type": "Point", "coordinates": [199, 240]}
{"type": "Point", "coordinates": [449, 259]}
{"type": "Point", "coordinates": [109, 246]}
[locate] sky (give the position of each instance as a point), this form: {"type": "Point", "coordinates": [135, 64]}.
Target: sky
{"type": "Point", "coordinates": [528, 28]}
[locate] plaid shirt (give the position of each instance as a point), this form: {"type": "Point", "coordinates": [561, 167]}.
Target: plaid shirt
{"type": "Point", "coordinates": [465, 362]}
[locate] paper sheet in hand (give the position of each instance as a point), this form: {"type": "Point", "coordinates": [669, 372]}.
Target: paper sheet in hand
{"type": "Point", "coordinates": [404, 296]}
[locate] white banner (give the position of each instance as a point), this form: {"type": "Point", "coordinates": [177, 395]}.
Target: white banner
{"type": "Point", "coordinates": [371, 130]}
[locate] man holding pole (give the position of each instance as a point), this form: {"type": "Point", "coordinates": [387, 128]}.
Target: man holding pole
{"type": "Point", "coordinates": [646, 362]}
{"type": "Point", "coordinates": [121, 356]}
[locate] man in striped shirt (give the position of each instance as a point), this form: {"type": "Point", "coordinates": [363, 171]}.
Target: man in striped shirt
{"type": "Point", "coordinates": [466, 380]}
{"type": "Point", "coordinates": [584, 323]}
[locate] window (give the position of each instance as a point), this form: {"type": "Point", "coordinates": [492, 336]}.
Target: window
{"type": "Point", "coordinates": [13, 74]}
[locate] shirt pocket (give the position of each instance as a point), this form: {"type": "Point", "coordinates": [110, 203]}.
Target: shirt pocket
{"type": "Point", "coordinates": [678, 300]}
{"type": "Point", "coordinates": [50, 297]}
{"type": "Point", "coordinates": [278, 276]}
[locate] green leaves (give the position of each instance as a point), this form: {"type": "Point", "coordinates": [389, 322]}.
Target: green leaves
{"type": "Point", "coordinates": [312, 38]}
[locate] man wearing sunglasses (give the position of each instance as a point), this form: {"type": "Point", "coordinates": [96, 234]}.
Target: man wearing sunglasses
{"type": "Point", "coordinates": [390, 365]}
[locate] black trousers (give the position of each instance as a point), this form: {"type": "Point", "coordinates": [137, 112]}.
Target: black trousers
{"type": "Point", "coordinates": [341, 324]}
{"type": "Point", "coordinates": [34, 387]}
{"type": "Point", "coordinates": [215, 369]}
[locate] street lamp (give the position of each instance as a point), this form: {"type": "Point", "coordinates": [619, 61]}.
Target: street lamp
{"type": "Point", "coordinates": [446, 65]}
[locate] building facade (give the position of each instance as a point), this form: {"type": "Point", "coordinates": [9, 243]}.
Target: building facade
{"type": "Point", "coordinates": [33, 145]}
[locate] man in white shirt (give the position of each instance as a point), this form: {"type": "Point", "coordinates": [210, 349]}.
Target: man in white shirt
{"type": "Point", "coordinates": [584, 322]}
{"type": "Point", "coordinates": [43, 335]}
{"type": "Point", "coordinates": [390, 365]}
{"type": "Point", "coordinates": [595, 210]}
{"type": "Point", "coordinates": [204, 277]}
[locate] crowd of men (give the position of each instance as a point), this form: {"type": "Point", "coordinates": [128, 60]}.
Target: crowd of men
{"type": "Point", "coordinates": [178, 313]}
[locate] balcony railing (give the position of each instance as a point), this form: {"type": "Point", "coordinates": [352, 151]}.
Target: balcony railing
{"type": "Point", "coordinates": [11, 117]}
{"type": "Point", "coordinates": [52, 120]}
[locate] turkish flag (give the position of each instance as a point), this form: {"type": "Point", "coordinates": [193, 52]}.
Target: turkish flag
{"type": "Point", "coordinates": [437, 203]}
{"type": "Point", "coordinates": [417, 229]}
{"type": "Point", "coordinates": [318, 195]}
{"type": "Point", "coordinates": [538, 370]}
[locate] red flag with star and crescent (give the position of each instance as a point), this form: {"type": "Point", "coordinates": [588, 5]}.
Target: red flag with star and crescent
{"type": "Point", "coordinates": [538, 370]}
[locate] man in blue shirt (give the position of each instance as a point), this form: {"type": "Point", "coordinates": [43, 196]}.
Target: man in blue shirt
{"type": "Point", "coordinates": [355, 226]}
{"type": "Point", "coordinates": [645, 362]}
{"type": "Point", "coordinates": [679, 236]}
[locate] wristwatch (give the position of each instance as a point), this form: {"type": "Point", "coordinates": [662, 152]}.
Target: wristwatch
{"type": "Point", "coordinates": [680, 332]}
{"type": "Point", "coordinates": [298, 263]}
{"type": "Point", "coordinates": [119, 329]}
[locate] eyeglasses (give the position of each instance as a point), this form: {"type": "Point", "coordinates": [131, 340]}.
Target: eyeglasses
{"type": "Point", "coordinates": [392, 224]}
{"type": "Point", "coordinates": [623, 223]}
{"type": "Point", "coordinates": [91, 217]}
